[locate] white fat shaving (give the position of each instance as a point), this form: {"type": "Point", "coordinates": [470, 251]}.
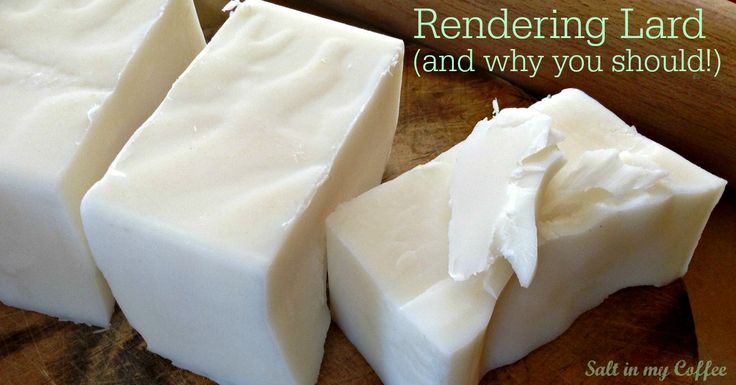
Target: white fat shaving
{"type": "Point", "coordinates": [231, 5]}
{"type": "Point", "coordinates": [500, 168]}
{"type": "Point", "coordinates": [599, 175]}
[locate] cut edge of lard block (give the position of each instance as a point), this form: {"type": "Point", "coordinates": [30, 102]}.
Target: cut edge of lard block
{"type": "Point", "coordinates": [209, 225]}
{"type": "Point", "coordinates": [494, 192]}
{"type": "Point", "coordinates": [388, 254]}
{"type": "Point", "coordinates": [389, 286]}
{"type": "Point", "coordinates": [74, 87]}
{"type": "Point", "coordinates": [624, 211]}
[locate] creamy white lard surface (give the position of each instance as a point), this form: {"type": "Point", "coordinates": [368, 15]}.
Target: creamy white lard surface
{"type": "Point", "coordinates": [209, 225]}
{"type": "Point", "coordinates": [76, 79]}
{"type": "Point", "coordinates": [622, 211]}
{"type": "Point", "coordinates": [390, 251]}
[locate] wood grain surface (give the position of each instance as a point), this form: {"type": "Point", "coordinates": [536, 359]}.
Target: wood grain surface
{"type": "Point", "coordinates": [694, 114]}
{"type": "Point", "coordinates": [642, 326]}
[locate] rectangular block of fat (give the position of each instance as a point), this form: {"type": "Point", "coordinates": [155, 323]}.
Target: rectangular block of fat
{"type": "Point", "coordinates": [390, 291]}
{"type": "Point", "coordinates": [389, 250]}
{"type": "Point", "coordinates": [209, 225]}
{"type": "Point", "coordinates": [76, 78]}
{"type": "Point", "coordinates": [624, 211]}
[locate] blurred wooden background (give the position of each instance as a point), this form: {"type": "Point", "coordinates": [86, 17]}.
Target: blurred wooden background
{"type": "Point", "coordinates": [694, 114]}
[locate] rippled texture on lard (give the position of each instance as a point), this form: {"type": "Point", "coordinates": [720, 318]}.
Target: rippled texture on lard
{"type": "Point", "coordinates": [76, 78]}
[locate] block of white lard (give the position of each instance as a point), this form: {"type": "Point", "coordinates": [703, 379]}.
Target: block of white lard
{"type": "Point", "coordinates": [209, 225]}
{"type": "Point", "coordinates": [76, 79]}
{"type": "Point", "coordinates": [624, 211]}
{"type": "Point", "coordinates": [388, 252]}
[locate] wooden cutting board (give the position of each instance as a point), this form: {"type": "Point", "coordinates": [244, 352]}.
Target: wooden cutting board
{"type": "Point", "coordinates": [641, 326]}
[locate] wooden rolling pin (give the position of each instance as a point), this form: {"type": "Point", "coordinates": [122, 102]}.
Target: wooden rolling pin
{"type": "Point", "coordinates": [694, 114]}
